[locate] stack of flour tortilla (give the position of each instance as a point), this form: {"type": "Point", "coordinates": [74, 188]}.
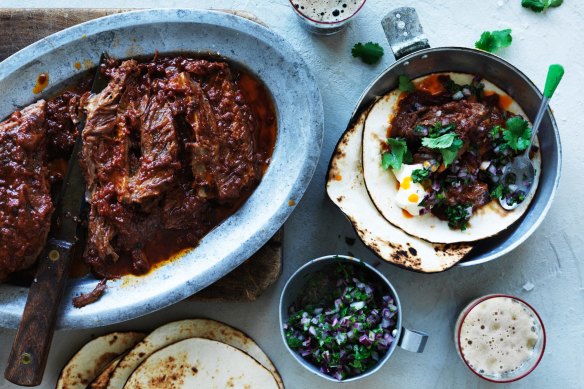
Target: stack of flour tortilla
{"type": "Point", "coordinates": [184, 354]}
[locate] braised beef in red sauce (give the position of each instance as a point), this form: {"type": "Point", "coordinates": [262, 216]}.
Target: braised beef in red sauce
{"type": "Point", "coordinates": [171, 147]}
{"type": "Point", "coordinates": [25, 198]}
{"type": "Point", "coordinates": [475, 119]}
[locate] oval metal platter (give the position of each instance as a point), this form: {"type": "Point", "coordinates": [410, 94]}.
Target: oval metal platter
{"type": "Point", "coordinates": [299, 140]}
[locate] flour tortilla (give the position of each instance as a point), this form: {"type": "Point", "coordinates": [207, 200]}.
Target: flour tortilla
{"type": "Point", "coordinates": [381, 184]}
{"type": "Point", "coordinates": [346, 188]}
{"type": "Point", "coordinates": [184, 329]}
{"type": "Point", "coordinates": [92, 358]}
{"type": "Point", "coordinates": [101, 381]}
{"type": "Point", "coordinates": [200, 363]}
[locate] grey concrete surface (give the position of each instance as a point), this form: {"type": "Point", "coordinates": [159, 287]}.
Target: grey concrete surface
{"type": "Point", "coordinates": [551, 259]}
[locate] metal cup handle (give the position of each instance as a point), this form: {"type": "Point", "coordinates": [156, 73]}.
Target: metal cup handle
{"type": "Point", "coordinates": [404, 32]}
{"type": "Point", "coordinates": [414, 341]}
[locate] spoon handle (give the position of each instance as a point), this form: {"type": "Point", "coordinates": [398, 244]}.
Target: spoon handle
{"type": "Point", "coordinates": [538, 118]}
{"type": "Point", "coordinates": [554, 76]}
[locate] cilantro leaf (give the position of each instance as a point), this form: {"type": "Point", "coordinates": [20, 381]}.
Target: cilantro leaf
{"type": "Point", "coordinates": [398, 154]}
{"type": "Point", "coordinates": [448, 142]}
{"type": "Point", "coordinates": [405, 84]}
{"type": "Point", "coordinates": [495, 40]}
{"type": "Point", "coordinates": [420, 175]}
{"type": "Point", "coordinates": [540, 5]}
{"type": "Point", "coordinates": [441, 142]}
{"type": "Point", "coordinates": [370, 52]}
{"type": "Point", "coordinates": [439, 130]}
{"type": "Point", "coordinates": [449, 154]}
{"type": "Point", "coordinates": [517, 134]}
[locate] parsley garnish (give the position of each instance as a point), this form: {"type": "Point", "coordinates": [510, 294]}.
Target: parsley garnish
{"type": "Point", "coordinates": [405, 84]}
{"type": "Point", "coordinates": [398, 154]}
{"type": "Point", "coordinates": [370, 52]}
{"type": "Point", "coordinates": [541, 5]}
{"type": "Point", "coordinates": [517, 134]}
{"type": "Point", "coordinates": [420, 175]}
{"type": "Point", "coordinates": [495, 40]}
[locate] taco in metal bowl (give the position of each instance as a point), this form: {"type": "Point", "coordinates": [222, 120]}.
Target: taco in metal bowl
{"type": "Point", "coordinates": [346, 188]}
{"type": "Point", "coordinates": [433, 153]}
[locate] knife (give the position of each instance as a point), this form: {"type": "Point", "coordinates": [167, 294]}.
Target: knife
{"type": "Point", "coordinates": [31, 345]}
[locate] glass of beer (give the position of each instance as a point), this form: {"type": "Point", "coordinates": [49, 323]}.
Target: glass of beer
{"type": "Point", "coordinates": [500, 338]}
{"type": "Point", "coordinates": [326, 17]}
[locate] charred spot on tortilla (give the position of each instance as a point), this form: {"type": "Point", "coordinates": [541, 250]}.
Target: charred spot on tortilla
{"type": "Point", "coordinates": [442, 163]}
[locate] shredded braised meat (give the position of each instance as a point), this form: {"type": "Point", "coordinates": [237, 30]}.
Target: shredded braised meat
{"type": "Point", "coordinates": [91, 297]}
{"type": "Point", "coordinates": [25, 198]}
{"type": "Point", "coordinates": [163, 142]}
{"type": "Point", "coordinates": [170, 148]}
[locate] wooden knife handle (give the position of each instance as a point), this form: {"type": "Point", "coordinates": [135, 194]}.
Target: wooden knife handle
{"type": "Point", "coordinates": [30, 349]}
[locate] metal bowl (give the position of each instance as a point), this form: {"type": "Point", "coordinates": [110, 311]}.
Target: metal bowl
{"type": "Point", "coordinates": [416, 59]}
{"type": "Point", "coordinates": [299, 140]}
{"type": "Point", "coordinates": [414, 341]}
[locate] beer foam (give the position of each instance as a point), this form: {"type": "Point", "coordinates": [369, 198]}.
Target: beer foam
{"type": "Point", "coordinates": [327, 10]}
{"type": "Point", "coordinates": [498, 336]}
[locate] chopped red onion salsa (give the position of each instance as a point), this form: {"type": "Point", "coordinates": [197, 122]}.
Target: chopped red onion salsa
{"type": "Point", "coordinates": [343, 323]}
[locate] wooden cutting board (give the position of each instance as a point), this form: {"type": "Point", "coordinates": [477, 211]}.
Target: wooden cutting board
{"type": "Point", "coordinates": [21, 27]}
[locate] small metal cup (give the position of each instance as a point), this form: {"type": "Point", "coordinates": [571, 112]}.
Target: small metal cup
{"type": "Point", "coordinates": [414, 341]}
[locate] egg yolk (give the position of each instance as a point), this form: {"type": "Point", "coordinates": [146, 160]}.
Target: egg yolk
{"type": "Point", "coordinates": [413, 198]}
{"type": "Point", "coordinates": [405, 184]}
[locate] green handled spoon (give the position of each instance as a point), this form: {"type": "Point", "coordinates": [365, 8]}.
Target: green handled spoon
{"type": "Point", "coordinates": [521, 168]}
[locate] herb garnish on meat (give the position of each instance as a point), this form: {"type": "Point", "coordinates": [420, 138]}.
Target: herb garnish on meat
{"type": "Point", "coordinates": [397, 155]}
{"type": "Point", "coordinates": [448, 144]}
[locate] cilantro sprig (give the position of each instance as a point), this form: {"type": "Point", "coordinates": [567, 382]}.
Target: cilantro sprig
{"type": "Point", "coordinates": [493, 41]}
{"type": "Point", "coordinates": [397, 155]}
{"type": "Point", "coordinates": [445, 140]}
{"type": "Point", "coordinates": [541, 5]}
{"type": "Point", "coordinates": [370, 52]}
{"type": "Point", "coordinates": [517, 134]}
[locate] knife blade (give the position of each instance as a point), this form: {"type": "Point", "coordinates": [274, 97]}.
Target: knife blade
{"type": "Point", "coordinates": [30, 349]}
